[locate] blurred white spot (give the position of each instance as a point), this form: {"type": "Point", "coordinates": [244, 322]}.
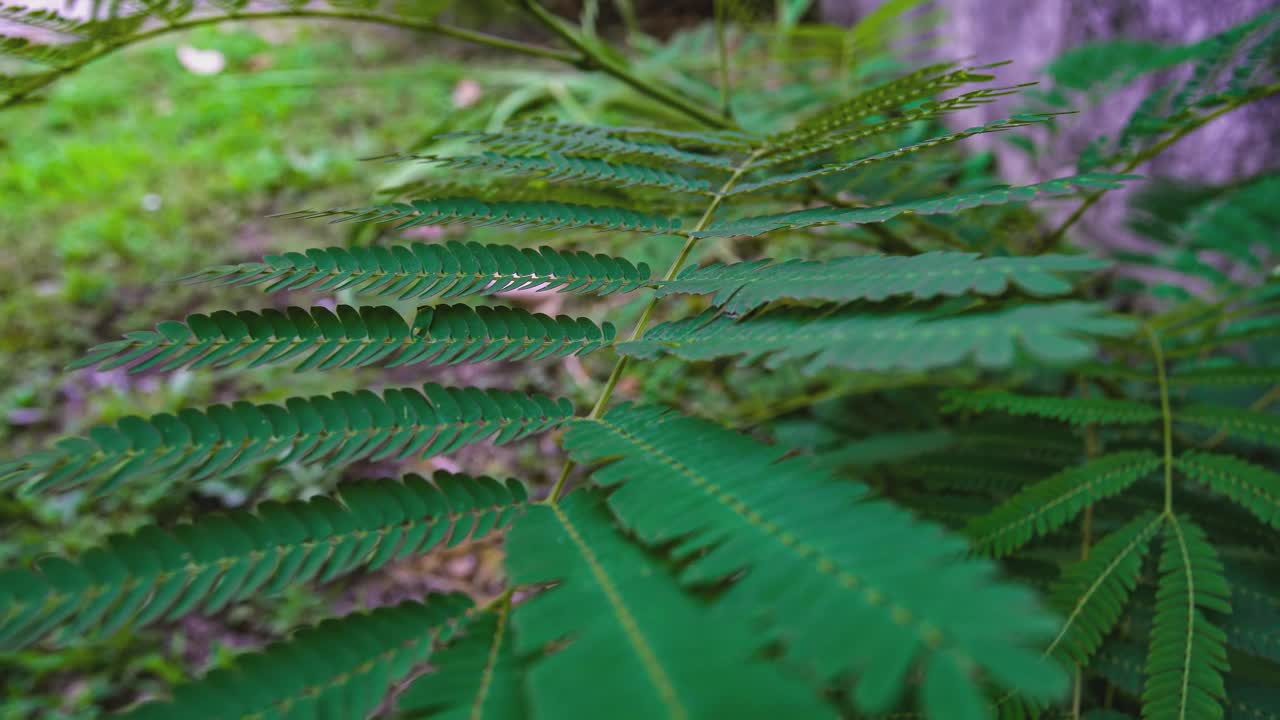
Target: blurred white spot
{"type": "Point", "coordinates": [151, 202]}
{"type": "Point", "coordinates": [201, 62]}
{"type": "Point", "coordinates": [466, 93]}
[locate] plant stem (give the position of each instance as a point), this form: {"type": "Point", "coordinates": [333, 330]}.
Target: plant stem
{"type": "Point", "coordinates": [1091, 450]}
{"type": "Point", "coordinates": [41, 81]}
{"type": "Point", "coordinates": [1166, 417]}
{"type": "Point", "coordinates": [591, 59]}
{"type": "Point", "coordinates": [620, 366]}
{"type": "Point", "coordinates": [1056, 236]}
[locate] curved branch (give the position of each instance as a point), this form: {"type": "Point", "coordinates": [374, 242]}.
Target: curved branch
{"type": "Point", "coordinates": [593, 60]}
{"type": "Point", "coordinates": [41, 81]}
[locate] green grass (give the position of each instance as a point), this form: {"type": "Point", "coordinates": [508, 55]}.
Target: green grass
{"type": "Point", "coordinates": [136, 170]}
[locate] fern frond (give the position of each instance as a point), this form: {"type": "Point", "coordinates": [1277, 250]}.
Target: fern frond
{"type": "Point", "coordinates": [886, 447]}
{"type": "Point", "coordinates": [744, 286]}
{"type": "Point", "coordinates": [970, 472]}
{"type": "Point", "coordinates": [543, 215]}
{"type": "Point", "coordinates": [631, 632]}
{"type": "Point", "coordinates": [590, 144]}
{"type": "Point", "coordinates": [478, 677]}
{"type": "Point", "coordinates": [1260, 427]}
{"type": "Point", "coordinates": [1187, 655]}
{"type": "Point", "coordinates": [1228, 375]}
{"type": "Point", "coordinates": [944, 204]}
{"type": "Point", "coordinates": [722, 140]}
{"type": "Point", "coordinates": [860, 340]}
{"type": "Point", "coordinates": [1046, 506]}
{"type": "Point", "coordinates": [897, 104]}
{"type": "Point", "coordinates": [1238, 332]}
{"type": "Point", "coordinates": [448, 270]}
{"type": "Point", "coordinates": [32, 51]}
{"type": "Point", "coordinates": [1254, 624]}
{"type": "Point", "coordinates": [1254, 488]}
{"type": "Point", "coordinates": [353, 337]}
{"type": "Point", "coordinates": [919, 85]}
{"type": "Point", "coordinates": [157, 574]}
{"type": "Point", "coordinates": [924, 112]}
{"type": "Point", "coordinates": [340, 668]}
{"type": "Point", "coordinates": [557, 167]}
{"type": "Point", "coordinates": [325, 430]}
{"type": "Point", "coordinates": [1091, 593]}
{"type": "Point", "coordinates": [1071, 410]}
{"type": "Point", "coordinates": [783, 179]}
{"type": "Point", "coordinates": [815, 558]}
{"type": "Point", "coordinates": [44, 18]}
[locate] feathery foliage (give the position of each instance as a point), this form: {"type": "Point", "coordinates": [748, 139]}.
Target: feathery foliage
{"type": "Point", "coordinates": [1091, 593]}
{"type": "Point", "coordinates": [156, 574]}
{"type": "Point", "coordinates": [944, 204]}
{"type": "Point", "coordinates": [630, 632]}
{"type": "Point", "coordinates": [711, 573]}
{"type": "Point", "coordinates": [352, 337]}
{"type": "Point", "coordinates": [477, 677]}
{"type": "Point", "coordinates": [545, 215]}
{"type": "Point", "coordinates": [326, 430]}
{"type": "Point", "coordinates": [420, 272]}
{"type": "Point", "coordinates": [801, 548]}
{"type": "Point", "coordinates": [859, 340]}
{"type": "Point", "coordinates": [1187, 656]}
{"type": "Point", "coordinates": [1075, 411]}
{"type": "Point", "coordinates": [339, 668]}
{"type": "Point", "coordinates": [1048, 505]}
{"type": "Point", "coordinates": [741, 287]}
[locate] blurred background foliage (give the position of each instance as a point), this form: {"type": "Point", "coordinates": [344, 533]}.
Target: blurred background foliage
{"type": "Point", "coordinates": [169, 156]}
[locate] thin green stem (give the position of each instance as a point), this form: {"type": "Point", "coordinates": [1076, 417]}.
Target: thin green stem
{"type": "Point", "coordinates": [591, 59]}
{"type": "Point", "coordinates": [41, 81]}
{"type": "Point", "coordinates": [1166, 417]}
{"type": "Point", "coordinates": [1092, 448]}
{"type": "Point", "coordinates": [1056, 236]}
{"type": "Point", "coordinates": [619, 367]}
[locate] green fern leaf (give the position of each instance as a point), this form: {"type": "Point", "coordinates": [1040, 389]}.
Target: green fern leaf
{"type": "Point", "coordinates": [340, 668]}
{"type": "Point", "coordinates": [1254, 488]}
{"type": "Point", "coordinates": [1187, 655]}
{"type": "Point", "coordinates": [919, 85]}
{"type": "Point", "coordinates": [1075, 411]}
{"type": "Point", "coordinates": [448, 270]}
{"type": "Point", "coordinates": [154, 574]}
{"type": "Point", "coordinates": [631, 632]}
{"type": "Point", "coordinates": [326, 430]}
{"type": "Point", "coordinates": [944, 204]}
{"type": "Point", "coordinates": [540, 139]}
{"type": "Point", "coordinates": [1254, 624]}
{"type": "Point", "coordinates": [557, 167]}
{"type": "Point", "coordinates": [887, 447]}
{"type": "Point", "coordinates": [1046, 506]}
{"type": "Point", "coordinates": [353, 337]}
{"type": "Point", "coordinates": [783, 179]}
{"type": "Point", "coordinates": [1228, 375]}
{"type": "Point", "coordinates": [861, 340]}
{"type": "Point", "coordinates": [926, 111]}
{"type": "Point", "coordinates": [722, 140]}
{"type": "Point", "coordinates": [1253, 425]}
{"type": "Point", "coordinates": [544, 215]}
{"type": "Point", "coordinates": [478, 677]}
{"type": "Point", "coordinates": [1238, 332]}
{"type": "Point", "coordinates": [1091, 594]}
{"type": "Point", "coordinates": [744, 286]}
{"type": "Point", "coordinates": [813, 556]}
